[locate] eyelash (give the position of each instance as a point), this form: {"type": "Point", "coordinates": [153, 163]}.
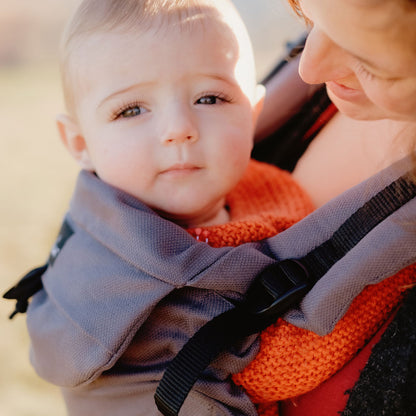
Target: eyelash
{"type": "Point", "coordinates": [115, 115]}
{"type": "Point", "coordinates": [365, 72]}
{"type": "Point", "coordinates": [371, 77]}
{"type": "Point", "coordinates": [222, 97]}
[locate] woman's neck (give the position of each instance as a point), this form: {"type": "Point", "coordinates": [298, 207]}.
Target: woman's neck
{"type": "Point", "coordinates": [346, 152]}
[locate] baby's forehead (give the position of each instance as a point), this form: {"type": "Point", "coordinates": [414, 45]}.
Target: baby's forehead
{"type": "Point", "coordinates": [94, 47]}
{"type": "Point", "coordinates": [88, 47]}
{"type": "Point", "coordinates": [210, 23]}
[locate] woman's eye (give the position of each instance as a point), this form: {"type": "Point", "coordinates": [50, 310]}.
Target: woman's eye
{"type": "Point", "coordinates": [364, 72]}
{"type": "Point", "coordinates": [208, 99]}
{"type": "Point", "coordinates": [369, 76]}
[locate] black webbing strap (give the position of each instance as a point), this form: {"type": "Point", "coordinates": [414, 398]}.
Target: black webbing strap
{"type": "Point", "coordinates": [359, 224]}
{"type": "Point", "coordinates": [275, 290]}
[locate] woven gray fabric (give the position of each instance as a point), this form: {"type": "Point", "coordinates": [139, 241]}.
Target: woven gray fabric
{"type": "Point", "coordinates": [152, 258]}
{"type": "Point", "coordinates": [387, 249]}
{"type": "Point", "coordinates": [111, 317]}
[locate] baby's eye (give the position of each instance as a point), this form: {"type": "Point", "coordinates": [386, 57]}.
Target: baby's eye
{"type": "Point", "coordinates": [131, 112]}
{"type": "Point", "coordinates": [128, 111]}
{"type": "Point", "coordinates": [211, 99]}
{"type": "Point", "coordinates": [208, 99]}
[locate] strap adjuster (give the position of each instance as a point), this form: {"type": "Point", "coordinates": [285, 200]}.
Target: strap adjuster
{"type": "Point", "coordinates": [277, 288]}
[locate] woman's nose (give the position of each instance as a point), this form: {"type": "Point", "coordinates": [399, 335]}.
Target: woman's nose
{"type": "Point", "coordinates": [322, 60]}
{"type": "Point", "coordinates": [180, 128]}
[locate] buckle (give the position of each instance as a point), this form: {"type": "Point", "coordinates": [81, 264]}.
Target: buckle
{"type": "Point", "coordinates": [276, 289]}
{"type": "Point", "coordinates": [24, 289]}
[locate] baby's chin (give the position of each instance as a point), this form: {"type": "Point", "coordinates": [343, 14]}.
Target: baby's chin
{"type": "Point", "coordinates": [200, 219]}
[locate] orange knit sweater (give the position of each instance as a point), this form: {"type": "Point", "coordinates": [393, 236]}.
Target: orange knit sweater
{"type": "Point", "coordinates": [291, 360]}
{"type": "Point", "coordinates": [265, 202]}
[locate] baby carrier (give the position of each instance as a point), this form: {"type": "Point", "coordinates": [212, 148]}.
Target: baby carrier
{"type": "Point", "coordinates": [301, 264]}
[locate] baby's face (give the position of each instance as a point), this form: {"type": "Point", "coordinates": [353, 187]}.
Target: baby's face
{"type": "Point", "coordinates": [166, 117]}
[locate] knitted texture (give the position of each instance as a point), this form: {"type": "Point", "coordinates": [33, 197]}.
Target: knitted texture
{"type": "Point", "coordinates": [387, 385]}
{"type": "Point", "coordinates": [265, 202]}
{"type": "Point", "coordinates": [293, 361]}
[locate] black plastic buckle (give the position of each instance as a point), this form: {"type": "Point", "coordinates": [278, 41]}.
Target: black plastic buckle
{"type": "Point", "coordinates": [276, 289]}
{"type": "Point", "coordinates": [25, 289]}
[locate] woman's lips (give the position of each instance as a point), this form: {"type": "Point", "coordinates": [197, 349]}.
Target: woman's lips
{"type": "Point", "coordinates": [343, 92]}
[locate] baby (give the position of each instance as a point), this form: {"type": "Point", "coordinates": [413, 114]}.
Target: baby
{"type": "Point", "coordinates": [162, 103]}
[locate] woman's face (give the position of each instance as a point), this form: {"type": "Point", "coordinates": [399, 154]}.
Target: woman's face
{"type": "Point", "coordinates": [365, 52]}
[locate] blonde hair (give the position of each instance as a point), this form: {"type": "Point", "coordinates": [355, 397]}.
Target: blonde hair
{"type": "Point", "coordinates": [102, 16]}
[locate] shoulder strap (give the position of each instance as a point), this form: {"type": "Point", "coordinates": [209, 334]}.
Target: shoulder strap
{"type": "Point", "coordinates": [278, 288]}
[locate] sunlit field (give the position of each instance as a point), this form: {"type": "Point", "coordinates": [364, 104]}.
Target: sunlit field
{"type": "Point", "coordinates": [37, 177]}
{"type": "Point", "coordinates": [35, 184]}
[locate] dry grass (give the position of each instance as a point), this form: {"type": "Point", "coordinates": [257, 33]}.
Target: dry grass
{"type": "Point", "coordinates": [35, 184]}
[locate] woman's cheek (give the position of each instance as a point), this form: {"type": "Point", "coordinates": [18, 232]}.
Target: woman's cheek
{"type": "Point", "coordinates": [396, 98]}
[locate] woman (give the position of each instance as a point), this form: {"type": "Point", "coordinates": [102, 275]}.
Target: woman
{"type": "Point", "coordinates": [369, 72]}
{"type": "Point", "coordinates": [363, 50]}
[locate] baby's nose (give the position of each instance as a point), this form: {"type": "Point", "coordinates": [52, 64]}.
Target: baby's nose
{"type": "Point", "coordinates": [179, 126]}
{"type": "Point", "coordinates": [180, 139]}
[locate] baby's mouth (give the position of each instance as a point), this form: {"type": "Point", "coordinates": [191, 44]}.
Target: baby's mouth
{"type": "Point", "coordinates": [180, 169]}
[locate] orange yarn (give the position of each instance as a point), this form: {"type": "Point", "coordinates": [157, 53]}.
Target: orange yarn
{"type": "Point", "coordinates": [265, 202]}
{"type": "Point", "coordinates": [293, 361]}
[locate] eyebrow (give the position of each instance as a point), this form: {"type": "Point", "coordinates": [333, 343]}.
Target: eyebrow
{"type": "Point", "coordinates": [124, 90]}
{"type": "Point", "coordinates": [150, 83]}
{"type": "Point", "coordinates": [218, 77]}
{"type": "Point", "coordinates": [214, 76]}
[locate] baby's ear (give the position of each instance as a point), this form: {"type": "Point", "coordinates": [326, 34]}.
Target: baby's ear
{"type": "Point", "coordinates": [74, 141]}
{"type": "Point", "coordinates": [259, 96]}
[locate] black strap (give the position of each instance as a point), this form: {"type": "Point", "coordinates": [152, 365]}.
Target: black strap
{"type": "Point", "coordinates": [277, 288]}
{"type": "Point", "coordinates": [372, 213]}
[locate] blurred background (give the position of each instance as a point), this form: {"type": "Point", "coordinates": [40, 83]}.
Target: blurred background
{"type": "Point", "coordinates": [37, 175]}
